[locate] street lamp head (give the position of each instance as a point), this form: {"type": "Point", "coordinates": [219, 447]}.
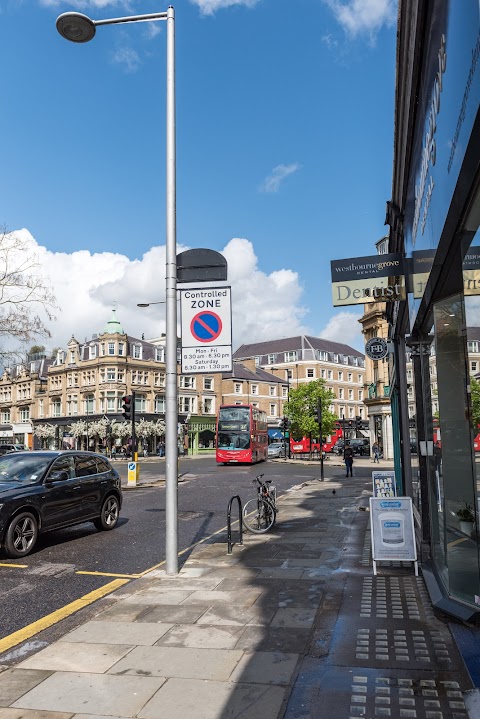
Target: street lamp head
{"type": "Point", "coordinates": [143, 304]}
{"type": "Point", "coordinates": [75, 27]}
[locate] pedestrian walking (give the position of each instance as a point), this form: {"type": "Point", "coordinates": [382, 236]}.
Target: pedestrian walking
{"type": "Point", "coordinates": [348, 457]}
{"type": "Point", "coordinates": [376, 452]}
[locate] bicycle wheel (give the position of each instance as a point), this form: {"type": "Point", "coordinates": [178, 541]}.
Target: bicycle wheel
{"type": "Point", "coordinates": [258, 516]}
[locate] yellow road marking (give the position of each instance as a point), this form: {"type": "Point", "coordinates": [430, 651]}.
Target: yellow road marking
{"type": "Point", "coordinates": [195, 544]}
{"type": "Point", "coordinates": [183, 551]}
{"type": "Point", "coordinates": [110, 574]}
{"type": "Point", "coordinates": [31, 629]}
{"type": "Point", "coordinates": [18, 566]}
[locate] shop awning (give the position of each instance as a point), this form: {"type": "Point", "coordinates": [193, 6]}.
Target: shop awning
{"type": "Point", "coordinates": [275, 433]}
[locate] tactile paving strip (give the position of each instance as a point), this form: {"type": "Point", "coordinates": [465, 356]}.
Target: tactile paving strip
{"type": "Point", "coordinates": [395, 597]}
{"type": "Point", "coordinates": [406, 698]}
{"type": "Point", "coordinates": [345, 692]}
{"type": "Point", "coordinates": [403, 645]}
{"type": "Point", "coordinates": [387, 622]}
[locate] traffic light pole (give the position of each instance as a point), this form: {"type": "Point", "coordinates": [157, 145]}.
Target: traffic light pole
{"type": "Point", "coordinates": [320, 429]}
{"type": "Point", "coordinates": [134, 439]}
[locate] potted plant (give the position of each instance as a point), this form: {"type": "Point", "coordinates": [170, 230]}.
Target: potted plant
{"type": "Point", "coordinates": [467, 519]}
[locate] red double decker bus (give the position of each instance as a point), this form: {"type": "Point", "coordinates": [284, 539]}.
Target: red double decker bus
{"type": "Point", "coordinates": [242, 434]}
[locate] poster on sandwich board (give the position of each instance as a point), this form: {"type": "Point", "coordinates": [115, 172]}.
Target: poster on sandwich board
{"type": "Point", "coordinates": [393, 535]}
{"type": "Point", "coordinates": [384, 484]}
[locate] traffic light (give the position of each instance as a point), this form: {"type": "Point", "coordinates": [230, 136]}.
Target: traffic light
{"type": "Point", "coordinates": [285, 423]}
{"type": "Point", "coordinates": [351, 423]}
{"type": "Point", "coordinates": [127, 406]}
{"type": "Point", "coordinates": [358, 423]}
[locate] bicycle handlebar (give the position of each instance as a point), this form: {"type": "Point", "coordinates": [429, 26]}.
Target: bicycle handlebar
{"type": "Point", "coordinates": [259, 478]}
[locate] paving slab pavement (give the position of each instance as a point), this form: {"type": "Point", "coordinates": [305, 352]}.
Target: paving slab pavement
{"type": "Point", "coordinates": [292, 624]}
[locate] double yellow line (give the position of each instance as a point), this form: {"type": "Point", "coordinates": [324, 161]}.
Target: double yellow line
{"type": "Point", "coordinates": [50, 619]}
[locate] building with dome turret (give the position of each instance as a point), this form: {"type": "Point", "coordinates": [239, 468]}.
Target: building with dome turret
{"type": "Point", "coordinates": [86, 381]}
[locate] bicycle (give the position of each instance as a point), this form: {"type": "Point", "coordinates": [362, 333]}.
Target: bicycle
{"type": "Point", "coordinates": [259, 514]}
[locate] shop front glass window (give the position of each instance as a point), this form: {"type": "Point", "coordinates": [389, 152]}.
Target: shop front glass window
{"type": "Point", "coordinates": [455, 466]}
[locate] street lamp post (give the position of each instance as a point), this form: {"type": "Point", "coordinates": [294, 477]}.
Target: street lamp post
{"type": "Point", "coordinates": [80, 28]}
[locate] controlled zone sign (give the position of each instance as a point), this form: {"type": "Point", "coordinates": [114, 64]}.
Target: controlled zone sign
{"type": "Point", "coordinates": [206, 324]}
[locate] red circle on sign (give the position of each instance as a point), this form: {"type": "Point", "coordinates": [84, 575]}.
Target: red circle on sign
{"type": "Point", "coordinates": [206, 326]}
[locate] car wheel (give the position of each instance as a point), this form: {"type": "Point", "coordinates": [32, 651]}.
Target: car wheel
{"type": "Point", "coordinates": [109, 515]}
{"type": "Point", "coordinates": [21, 535]}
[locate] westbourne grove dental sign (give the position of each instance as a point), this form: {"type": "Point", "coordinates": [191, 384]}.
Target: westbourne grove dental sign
{"type": "Point", "coordinates": [377, 278]}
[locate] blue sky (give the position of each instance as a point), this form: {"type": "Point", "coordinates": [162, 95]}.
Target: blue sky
{"type": "Point", "coordinates": [284, 151]}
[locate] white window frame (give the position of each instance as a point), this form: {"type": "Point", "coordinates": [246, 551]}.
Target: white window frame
{"type": "Point", "coordinates": [159, 402]}
{"type": "Point", "coordinates": [211, 402]}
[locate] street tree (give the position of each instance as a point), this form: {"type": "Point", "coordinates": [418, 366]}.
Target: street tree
{"type": "Point", "coordinates": [44, 432]}
{"type": "Point", "coordinates": [475, 402]}
{"type": "Point", "coordinates": [302, 405]}
{"type": "Point", "coordinates": [27, 302]}
{"type": "Point", "coordinates": [36, 350]}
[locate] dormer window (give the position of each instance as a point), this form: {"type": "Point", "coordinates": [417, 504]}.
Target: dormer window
{"type": "Point", "coordinates": [160, 354]}
{"type": "Point", "coordinates": [92, 351]}
{"type": "Point", "coordinates": [137, 351]}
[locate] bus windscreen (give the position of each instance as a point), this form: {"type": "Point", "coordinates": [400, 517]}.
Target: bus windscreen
{"type": "Point", "coordinates": [233, 428]}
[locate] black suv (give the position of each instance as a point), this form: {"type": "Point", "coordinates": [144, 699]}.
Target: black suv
{"type": "Point", "coordinates": [41, 491]}
{"type": "Point", "coordinates": [360, 446]}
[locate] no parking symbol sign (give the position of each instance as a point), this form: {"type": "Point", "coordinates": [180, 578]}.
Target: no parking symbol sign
{"type": "Point", "coordinates": [206, 330]}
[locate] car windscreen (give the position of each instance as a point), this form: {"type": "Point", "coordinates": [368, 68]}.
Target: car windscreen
{"type": "Point", "coordinates": [26, 469]}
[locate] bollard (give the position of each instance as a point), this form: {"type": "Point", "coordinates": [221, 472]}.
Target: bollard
{"type": "Point", "coordinates": [132, 474]}
{"type": "Point", "coordinates": [229, 523]}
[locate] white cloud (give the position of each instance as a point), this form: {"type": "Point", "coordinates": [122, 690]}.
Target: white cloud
{"type": "Point", "coordinates": [329, 41]}
{"type": "Point", "coordinates": [363, 16]}
{"type": "Point", "coordinates": [278, 174]}
{"type": "Point", "coordinates": [128, 58]}
{"type": "Point", "coordinates": [344, 327]}
{"type": "Point", "coordinates": [208, 7]}
{"type": "Point", "coordinates": [89, 285]}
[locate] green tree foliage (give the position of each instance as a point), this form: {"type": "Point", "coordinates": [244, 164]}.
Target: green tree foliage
{"type": "Point", "coordinates": [36, 350]}
{"type": "Point", "coordinates": [475, 400]}
{"type": "Point", "coordinates": [301, 406]}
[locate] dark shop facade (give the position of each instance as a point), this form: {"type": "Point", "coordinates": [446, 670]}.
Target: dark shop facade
{"type": "Point", "coordinates": [434, 219]}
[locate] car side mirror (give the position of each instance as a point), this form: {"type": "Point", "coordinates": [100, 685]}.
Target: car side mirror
{"type": "Point", "coordinates": [59, 475]}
